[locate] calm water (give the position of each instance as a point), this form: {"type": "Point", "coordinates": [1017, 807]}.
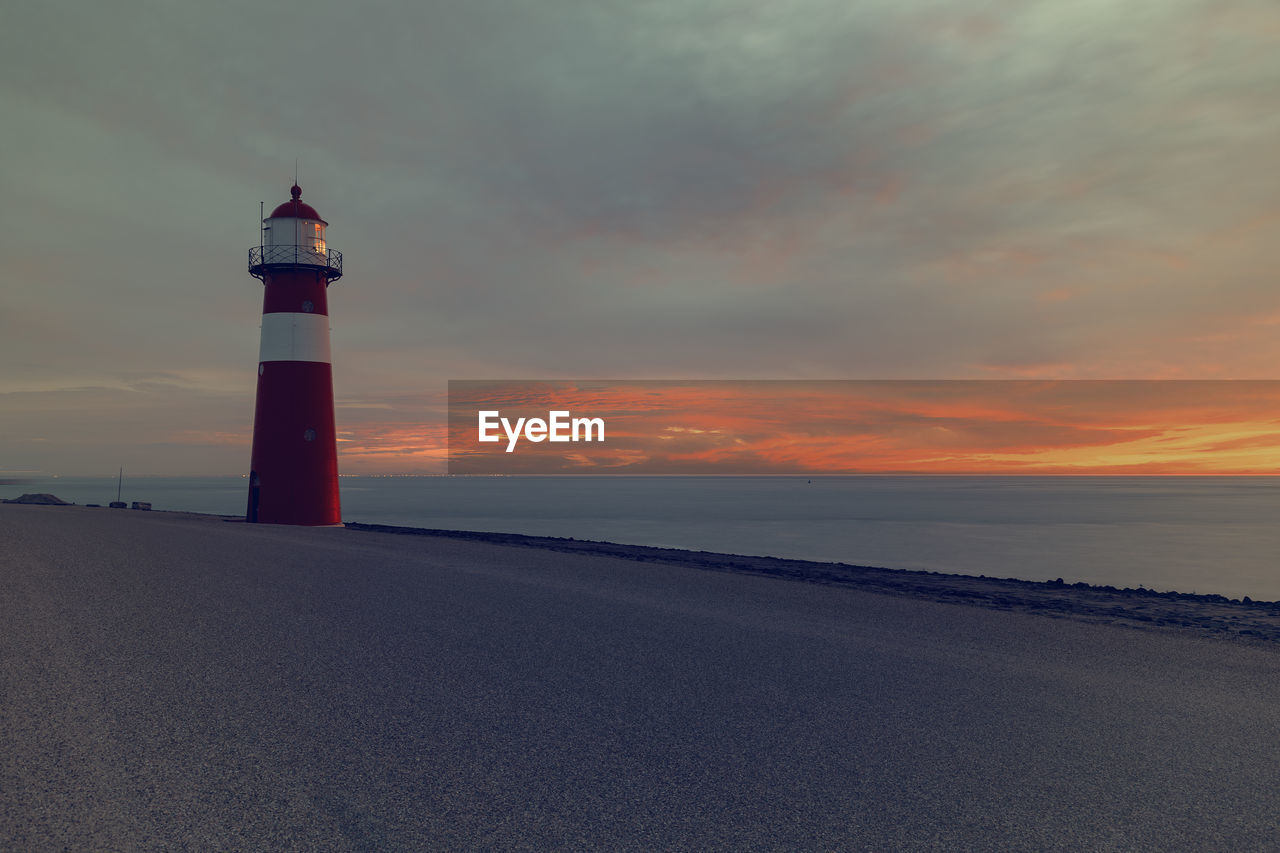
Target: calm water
{"type": "Point", "coordinates": [1191, 534]}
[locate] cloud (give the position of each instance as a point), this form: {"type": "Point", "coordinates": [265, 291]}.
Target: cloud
{"type": "Point", "coordinates": [681, 188]}
{"type": "Point", "coordinates": [969, 427]}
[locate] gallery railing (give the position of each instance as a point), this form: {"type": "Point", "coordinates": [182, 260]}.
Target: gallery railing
{"type": "Point", "coordinates": [262, 258]}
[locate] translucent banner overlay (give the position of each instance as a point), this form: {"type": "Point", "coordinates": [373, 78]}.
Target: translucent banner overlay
{"type": "Point", "coordinates": [839, 427]}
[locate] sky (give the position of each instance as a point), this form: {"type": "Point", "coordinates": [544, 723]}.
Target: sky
{"type": "Point", "coordinates": [878, 427]}
{"type": "Point", "coordinates": [675, 189]}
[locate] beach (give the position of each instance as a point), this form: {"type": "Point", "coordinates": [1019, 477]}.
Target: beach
{"type": "Point", "coordinates": [178, 681]}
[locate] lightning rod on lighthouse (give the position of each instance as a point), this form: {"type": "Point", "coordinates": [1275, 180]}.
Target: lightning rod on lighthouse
{"type": "Point", "coordinates": [293, 476]}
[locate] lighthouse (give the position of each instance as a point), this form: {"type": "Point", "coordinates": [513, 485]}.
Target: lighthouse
{"type": "Point", "coordinates": [293, 477]}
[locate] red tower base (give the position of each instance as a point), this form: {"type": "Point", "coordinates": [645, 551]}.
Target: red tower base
{"type": "Point", "coordinates": [294, 477]}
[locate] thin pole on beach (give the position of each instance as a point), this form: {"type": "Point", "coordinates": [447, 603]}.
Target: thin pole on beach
{"type": "Point", "coordinates": [119, 484]}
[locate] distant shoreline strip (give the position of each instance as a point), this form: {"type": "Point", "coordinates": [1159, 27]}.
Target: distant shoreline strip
{"type": "Point", "coordinates": [1210, 613]}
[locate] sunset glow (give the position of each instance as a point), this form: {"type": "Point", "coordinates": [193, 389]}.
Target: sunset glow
{"type": "Point", "coordinates": [962, 427]}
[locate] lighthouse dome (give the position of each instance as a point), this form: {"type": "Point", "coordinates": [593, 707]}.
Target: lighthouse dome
{"type": "Point", "coordinates": [296, 208]}
{"type": "Point", "coordinates": [293, 236]}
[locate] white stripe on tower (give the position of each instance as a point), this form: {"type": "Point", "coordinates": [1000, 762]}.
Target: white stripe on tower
{"type": "Point", "coordinates": [294, 337]}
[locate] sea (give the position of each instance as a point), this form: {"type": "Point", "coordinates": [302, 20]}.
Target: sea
{"type": "Point", "coordinates": [1189, 534]}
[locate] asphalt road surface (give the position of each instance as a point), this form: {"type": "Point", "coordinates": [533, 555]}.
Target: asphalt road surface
{"type": "Point", "coordinates": [178, 683]}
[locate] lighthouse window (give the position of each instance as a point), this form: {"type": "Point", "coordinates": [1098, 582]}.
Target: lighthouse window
{"type": "Point", "coordinates": [309, 435]}
{"type": "Point", "coordinates": [318, 237]}
{"type": "Point", "coordinates": [308, 306]}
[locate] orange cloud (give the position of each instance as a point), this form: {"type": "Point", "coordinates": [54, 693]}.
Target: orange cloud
{"type": "Point", "coordinates": [381, 448]}
{"type": "Point", "coordinates": [1065, 427]}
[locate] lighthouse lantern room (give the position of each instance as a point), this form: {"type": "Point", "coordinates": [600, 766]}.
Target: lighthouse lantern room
{"type": "Point", "coordinates": [293, 476]}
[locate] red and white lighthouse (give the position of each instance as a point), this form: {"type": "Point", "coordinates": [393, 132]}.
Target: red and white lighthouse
{"type": "Point", "coordinates": [294, 469]}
